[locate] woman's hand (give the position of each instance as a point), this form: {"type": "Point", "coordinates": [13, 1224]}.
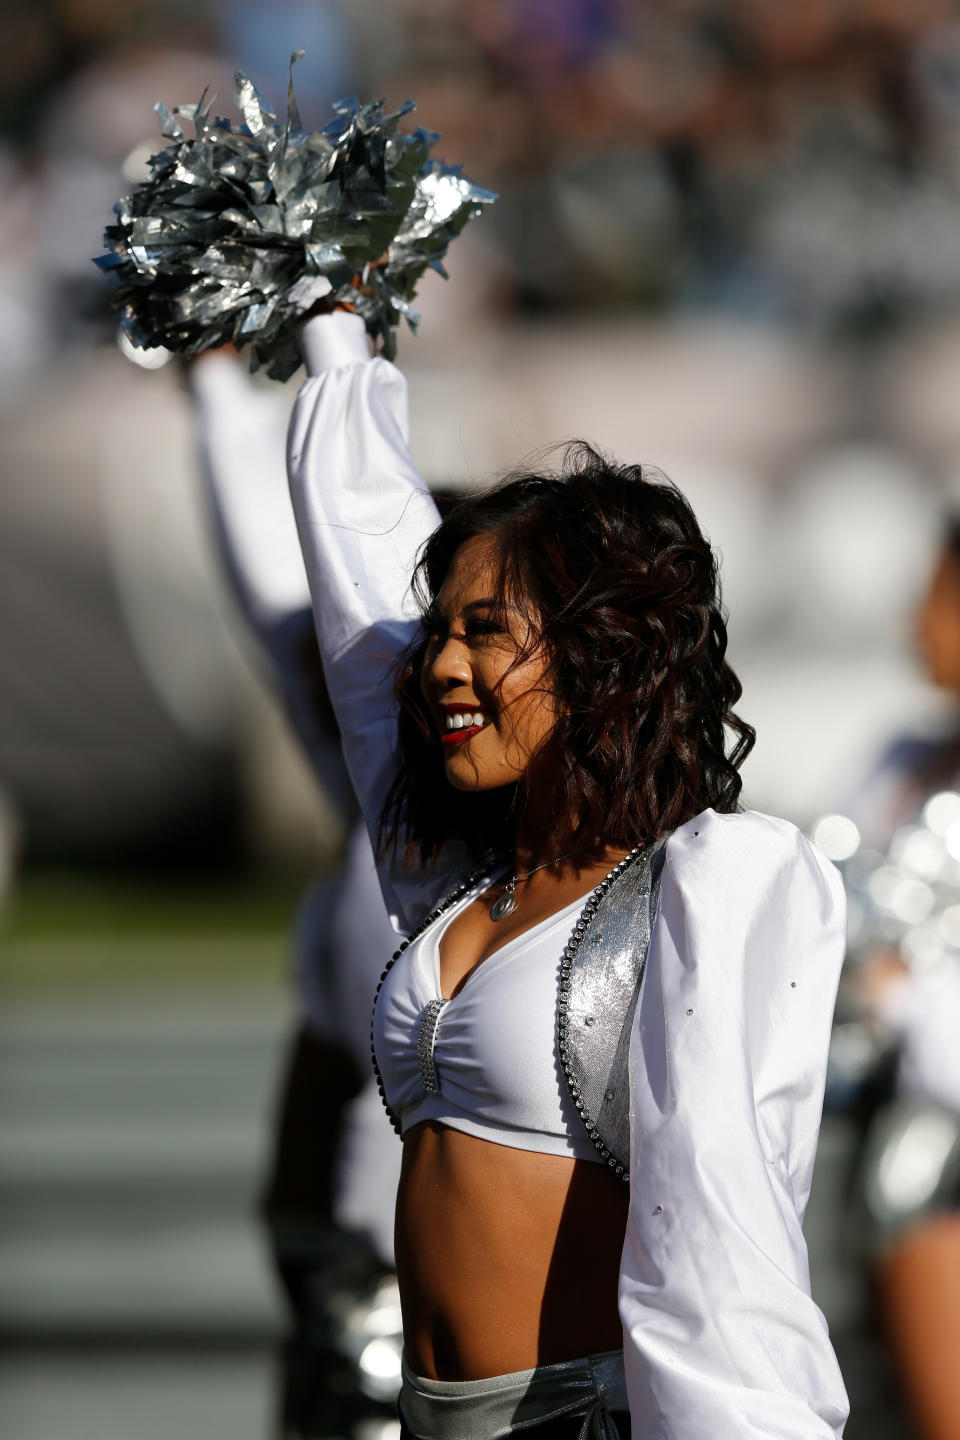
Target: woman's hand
{"type": "Point", "coordinates": [326, 307]}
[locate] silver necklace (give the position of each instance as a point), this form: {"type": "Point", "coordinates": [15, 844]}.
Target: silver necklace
{"type": "Point", "coordinates": [507, 902]}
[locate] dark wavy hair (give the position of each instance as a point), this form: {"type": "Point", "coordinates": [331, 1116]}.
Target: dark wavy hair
{"type": "Point", "coordinates": [617, 583]}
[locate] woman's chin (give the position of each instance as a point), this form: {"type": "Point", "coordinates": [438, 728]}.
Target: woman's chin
{"type": "Point", "coordinates": [463, 773]}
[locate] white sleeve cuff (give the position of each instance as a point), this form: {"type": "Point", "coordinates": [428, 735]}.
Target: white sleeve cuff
{"type": "Point", "coordinates": [339, 338]}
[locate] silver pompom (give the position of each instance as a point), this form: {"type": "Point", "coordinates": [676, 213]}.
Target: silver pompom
{"type": "Point", "coordinates": [239, 231]}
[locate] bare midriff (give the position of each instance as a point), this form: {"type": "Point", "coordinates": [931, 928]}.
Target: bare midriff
{"type": "Point", "coordinates": [506, 1258]}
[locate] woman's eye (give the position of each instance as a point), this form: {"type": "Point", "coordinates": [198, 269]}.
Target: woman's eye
{"type": "Point", "coordinates": [479, 627]}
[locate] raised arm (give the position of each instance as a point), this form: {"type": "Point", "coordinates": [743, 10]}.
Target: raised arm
{"type": "Point", "coordinates": [241, 432]}
{"type": "Point", "coordinates": [727, 1066]}
{"type": "Point", "coordinates": [362, 513]}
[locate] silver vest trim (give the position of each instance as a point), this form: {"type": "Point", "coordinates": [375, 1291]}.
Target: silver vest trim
{"type": "Point", "coordinates": [601, 972]}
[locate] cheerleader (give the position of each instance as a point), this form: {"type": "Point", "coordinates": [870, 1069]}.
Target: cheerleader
{"type": "Point", "coordinates": [604, 1041]}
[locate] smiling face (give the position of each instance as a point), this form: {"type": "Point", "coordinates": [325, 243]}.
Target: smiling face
{"type": "Point", "coordinates": [491, 706]}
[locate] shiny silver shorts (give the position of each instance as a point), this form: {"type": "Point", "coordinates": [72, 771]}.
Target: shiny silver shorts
{"type": "Point", "coordinates": [591, 1390]}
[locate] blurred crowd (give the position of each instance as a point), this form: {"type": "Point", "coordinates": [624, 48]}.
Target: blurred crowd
{"type": "Point", "coordinates": [727, 242]}
{"type": "Point", "coordinates": [724, 152]}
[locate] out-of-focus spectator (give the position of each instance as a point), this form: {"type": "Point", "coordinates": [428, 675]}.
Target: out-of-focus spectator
{"type": "Point", "coordinates": [914, 998]}
{"type": "Point", "coordinates": [335, 1163]}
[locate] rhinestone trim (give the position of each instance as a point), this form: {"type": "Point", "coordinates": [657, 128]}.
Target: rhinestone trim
{"type": "Point", "coordinates": [427, 1039]}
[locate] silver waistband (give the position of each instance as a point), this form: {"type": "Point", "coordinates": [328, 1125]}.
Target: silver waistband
{"type": "Point", "coordinates": [590, 1388]}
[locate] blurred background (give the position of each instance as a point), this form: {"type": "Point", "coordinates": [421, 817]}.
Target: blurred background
{"type": "Point", "coordinates": [727, 244]}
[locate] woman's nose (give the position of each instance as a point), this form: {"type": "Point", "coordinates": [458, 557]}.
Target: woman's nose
{"type": "Point", "coordinates": [450, 664]}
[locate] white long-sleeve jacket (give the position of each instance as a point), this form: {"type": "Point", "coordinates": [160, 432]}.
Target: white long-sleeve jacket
{"type": "Point", "coordinates": [722, 1339]}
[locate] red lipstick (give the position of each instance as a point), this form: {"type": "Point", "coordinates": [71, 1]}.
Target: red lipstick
{"type": "Point", "coordinates": [457, 737]}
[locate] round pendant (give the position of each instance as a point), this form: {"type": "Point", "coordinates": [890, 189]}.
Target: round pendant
{"type": "Point", "coordinates": [502, 907]}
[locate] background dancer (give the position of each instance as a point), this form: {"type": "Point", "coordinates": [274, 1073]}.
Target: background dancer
{"type": "Point", "coordinates": [329, 1200]}
{"type": "Point", "coordinates": [910, 993]}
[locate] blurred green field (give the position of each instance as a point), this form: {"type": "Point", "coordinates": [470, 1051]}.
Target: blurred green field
{"type": "Point", "coordinates": [62, 932]}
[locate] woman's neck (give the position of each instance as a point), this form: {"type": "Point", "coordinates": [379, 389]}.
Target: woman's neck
{"type": "Point", "coordinates": [531, 849]}
{"type": "Point", "coordinates": [532, 852]}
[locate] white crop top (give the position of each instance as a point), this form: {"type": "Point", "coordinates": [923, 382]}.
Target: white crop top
{"type": "Point", "coordinates": [484, 1062]}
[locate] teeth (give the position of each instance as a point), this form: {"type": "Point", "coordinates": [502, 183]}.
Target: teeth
{"type": "Point", "coordinates": [465, 720]}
